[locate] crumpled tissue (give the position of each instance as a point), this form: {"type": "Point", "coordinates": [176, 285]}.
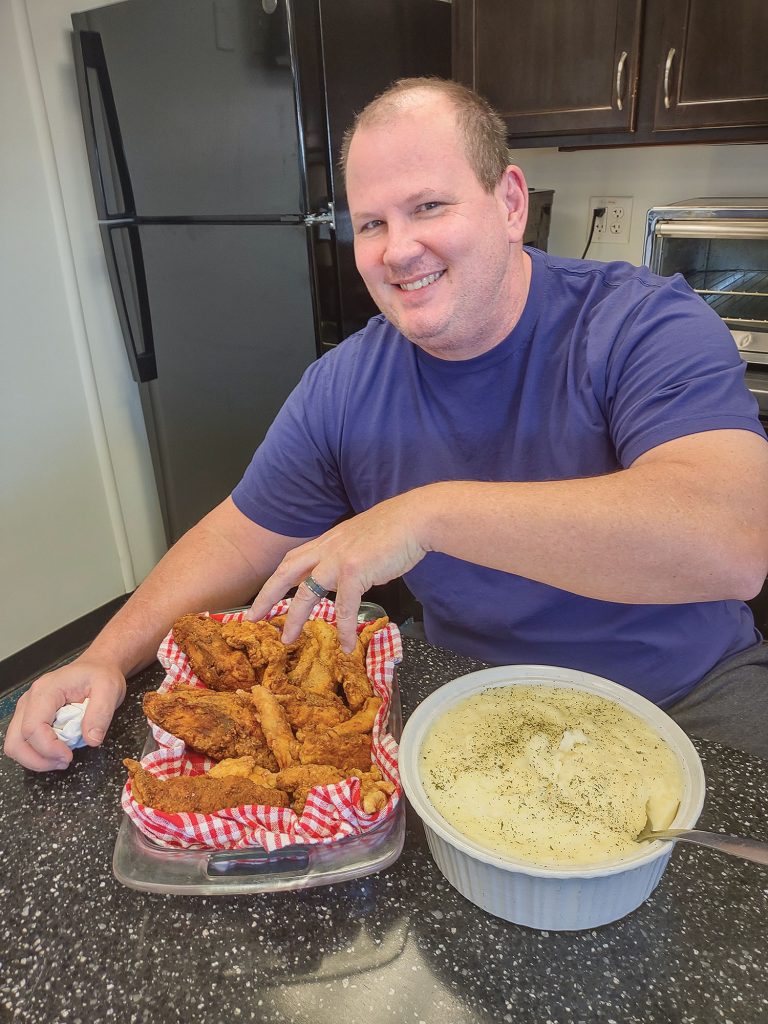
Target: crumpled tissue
{"type": "Point", "coordinates": [68, 724]}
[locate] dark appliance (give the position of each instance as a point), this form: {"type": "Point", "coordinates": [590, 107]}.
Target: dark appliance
{"type": "Point", "coordinates": [213, 129]}
{"type": "Point", "coordinates": [539, 217]}
{"type": "Point", "coordinates": [720, 246]}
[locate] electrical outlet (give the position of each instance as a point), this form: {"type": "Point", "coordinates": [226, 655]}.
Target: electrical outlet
{"type": "Point", "coordinates": [614, 224]}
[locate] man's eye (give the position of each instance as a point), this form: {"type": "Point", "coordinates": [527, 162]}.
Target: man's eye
{"type": "Point", "coordinates": [428, 207]}
{"type": "Point", "coordinates": [369, 225]}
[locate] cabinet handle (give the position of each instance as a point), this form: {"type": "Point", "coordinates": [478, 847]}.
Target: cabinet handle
{"type": "Point", "coordinates": [667, 70]}
{"type": "Point", "coordinates": [620, 79]}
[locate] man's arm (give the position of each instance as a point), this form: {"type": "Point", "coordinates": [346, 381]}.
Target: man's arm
{"type": "Point", "coordinates": [688, 521]}
{"type": "Point", "coordinates": [219, 563]}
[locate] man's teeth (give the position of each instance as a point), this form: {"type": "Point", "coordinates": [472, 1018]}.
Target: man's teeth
{"type": "Point", "coordinates": [421, 283]}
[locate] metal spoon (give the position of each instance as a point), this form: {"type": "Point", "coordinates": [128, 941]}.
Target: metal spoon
{"type": "Point", "coordinates": [736, 846]}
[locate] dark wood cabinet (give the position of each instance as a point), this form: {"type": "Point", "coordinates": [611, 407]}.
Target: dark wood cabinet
{"type": "Point", "coordinates": [713, 71]}
{"type": "Point", "coordinates": [607, 72]}
{"type": "Point", "coordinates": [553, 66]}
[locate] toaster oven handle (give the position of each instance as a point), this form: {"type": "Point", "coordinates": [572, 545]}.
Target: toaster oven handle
{"type": "Point", "coordinates": [620, 79]}
{"type": "Point", "coordinates": [667, 73]}
{"type": "Point", "coordinates": [712, 228]}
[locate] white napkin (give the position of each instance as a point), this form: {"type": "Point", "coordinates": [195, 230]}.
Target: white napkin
{"type": "Point", "coordinates": [68, 724]}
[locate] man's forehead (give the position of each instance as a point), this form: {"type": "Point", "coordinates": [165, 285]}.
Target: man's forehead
{"type": "Point", "coordinates": [411, 134]}
{"type": "Point", "coordinates": [421, 111]}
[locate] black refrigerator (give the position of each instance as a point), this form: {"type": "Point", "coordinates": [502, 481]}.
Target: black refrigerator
{"type": "Point", "coordinates": [213, 130]}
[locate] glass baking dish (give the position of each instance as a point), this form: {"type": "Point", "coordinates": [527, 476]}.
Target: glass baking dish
{"type": "Point", "coordinates": [140, 863]}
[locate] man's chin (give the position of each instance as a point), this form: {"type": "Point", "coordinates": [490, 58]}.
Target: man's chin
{"type": "Point", "coordinates": [420, 331]}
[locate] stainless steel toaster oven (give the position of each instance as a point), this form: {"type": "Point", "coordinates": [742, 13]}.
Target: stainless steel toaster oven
{"type": "Point", "coordinates": [720, 246]}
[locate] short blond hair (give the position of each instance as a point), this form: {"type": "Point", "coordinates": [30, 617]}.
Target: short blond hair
{"type": "Point", "coordinates": [482, 129]}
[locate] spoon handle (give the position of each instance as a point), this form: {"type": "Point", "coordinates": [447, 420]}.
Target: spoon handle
{"type": "Point", "coordinates": [736, 846]}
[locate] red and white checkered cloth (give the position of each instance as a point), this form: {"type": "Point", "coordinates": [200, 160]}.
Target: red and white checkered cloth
{"type": "Point", "coordinates": [331, 812]}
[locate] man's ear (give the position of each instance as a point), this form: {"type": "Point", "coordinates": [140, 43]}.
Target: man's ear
{"type": "Point", "coordinates": [513, 191]}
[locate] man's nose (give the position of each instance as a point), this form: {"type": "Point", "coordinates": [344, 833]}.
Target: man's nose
{"type": "Point", "coordinates": [403, 245]}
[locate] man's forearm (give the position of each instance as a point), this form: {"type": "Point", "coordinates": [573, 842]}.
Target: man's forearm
{"type": "Point", "coordinates": [195, 575]}
{"type": "Point", "coordinates": [220, 563]}
{"type": "Point", "coordinates": [652, 534]}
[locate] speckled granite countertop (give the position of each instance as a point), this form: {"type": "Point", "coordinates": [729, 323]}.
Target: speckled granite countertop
{"type": "Point", "coordinates": [402, 946]}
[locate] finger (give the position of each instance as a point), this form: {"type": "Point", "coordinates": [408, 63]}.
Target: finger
{"type": "Point", "coordinates": [288, 574]}
{"type": "Point", "coordinates": [301, 608]}
{"type": "Point", "coordinates": [36, 711]}
{"type": "Point", "coordinates": [348, 598]}
{"type": "Point", "coordinates": [43, 741]}
{"type": "Point", "coordinates": [98, 715]}
{"type": "Point", "coordinates": [44, 754]}
{"type": "Point", "coordinates": [16, 747]}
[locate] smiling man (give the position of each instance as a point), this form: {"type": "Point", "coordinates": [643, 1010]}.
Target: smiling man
{"type": "Point", "coordinates": [439, 250]}
{"type": "Point", "coordinates": [559, 456]}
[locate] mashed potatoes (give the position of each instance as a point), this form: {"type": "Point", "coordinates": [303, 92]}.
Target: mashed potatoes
{"type": "Point", "coordinates": [548, 774]}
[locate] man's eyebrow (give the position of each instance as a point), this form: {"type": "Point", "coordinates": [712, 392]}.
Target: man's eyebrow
{"type": "Point", "coordinates": [423, 195]}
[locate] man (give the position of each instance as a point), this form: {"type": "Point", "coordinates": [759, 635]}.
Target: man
{"type": "Point", "coordinates": [559, 455]}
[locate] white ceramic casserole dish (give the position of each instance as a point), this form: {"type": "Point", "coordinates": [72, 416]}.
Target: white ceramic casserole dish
{"type": "Point", "coordinates": [563, 898]}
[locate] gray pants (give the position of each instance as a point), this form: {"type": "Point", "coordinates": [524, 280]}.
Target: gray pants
{"type": "Point", "coordinates": [730, 704]}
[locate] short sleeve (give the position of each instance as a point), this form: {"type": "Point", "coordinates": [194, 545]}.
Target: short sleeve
{"type": "Point", "coordinates": [292, 485]}
{"type": "Point", "coordinates": [672, 370]}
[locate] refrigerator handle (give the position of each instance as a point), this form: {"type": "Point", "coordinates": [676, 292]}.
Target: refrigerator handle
{"type": "Point", "coordinates": [94, 60]}
{"type": "Point", "coordinates": [143, 362]}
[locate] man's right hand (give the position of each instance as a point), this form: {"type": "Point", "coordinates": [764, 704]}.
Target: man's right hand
{"type": "Point", "coordinates": [30, 739]}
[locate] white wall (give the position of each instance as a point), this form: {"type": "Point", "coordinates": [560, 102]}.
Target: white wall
{"type": "Point", "coordinates": [79, 522]}
{"type": "Point", "coordinates": [653, 176]}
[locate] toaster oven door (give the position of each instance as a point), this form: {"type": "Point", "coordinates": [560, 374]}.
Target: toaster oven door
{"type": "Point", "coordinates": [725, 261]}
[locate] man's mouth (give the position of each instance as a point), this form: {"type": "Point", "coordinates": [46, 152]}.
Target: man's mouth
{"type": "Point", "coordinates": [412, 286]}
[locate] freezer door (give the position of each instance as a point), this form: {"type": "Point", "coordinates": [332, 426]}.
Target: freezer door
{"type": "Point", "coordinates": [232, 329]}
{"type": "Point", "coordinates": [189, 108]}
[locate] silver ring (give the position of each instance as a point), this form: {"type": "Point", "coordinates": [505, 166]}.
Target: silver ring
{"type": "Point", "coordinates": [311, 584]}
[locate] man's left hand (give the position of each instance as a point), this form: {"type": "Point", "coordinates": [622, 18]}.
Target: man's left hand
{"type": "Point", "coordinates": [372, 548]}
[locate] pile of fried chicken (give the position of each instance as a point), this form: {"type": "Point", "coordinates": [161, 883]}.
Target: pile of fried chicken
{"type": "Point", "coordinates": [277, 718]}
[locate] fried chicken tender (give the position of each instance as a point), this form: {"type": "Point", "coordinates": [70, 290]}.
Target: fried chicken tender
{"type": "Point", "coordinates": [199, 793]}
{"type": "Point", "coordinates": [219, 725]}
{"type": "Point", "coordinates": [316, 712]}
{"type": "Point", "coordinates": [300, 780]}
{"type": "Point", "coordinates": [362, 721]}
{"type": "Point", "coordinates": [314, 658]}
{"type": "Point", "coordinates": [345, 752]}
{"type": "Point", "coordinates": [264, 649]}
{"type": "Point", "coordinates": [366, 633]}
{"type": "Point", "coordinates": [375, 791]}
{"type": "Point", "coordinates": [277, 731]}
{"type": "Point", "coordinates": [318, 664]}
{"type": "Point", "coordinates": [356, 685]}
{"type": "Point", "coordinates": [240, 767]}
{"type": "Point", "coordinates": [297, 780]}
{"type": "Point", "coordinates": [212, 660]}
{"type": "Point", "coordinates": [308, 775]}
{"type": "Point", "coordinates": [246, 768]}
{"type": "Point", "coordinates": [351, 667]}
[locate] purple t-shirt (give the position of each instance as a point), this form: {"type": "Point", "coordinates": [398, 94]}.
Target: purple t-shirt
{"type": "Point", "coordinates": [606, 362]}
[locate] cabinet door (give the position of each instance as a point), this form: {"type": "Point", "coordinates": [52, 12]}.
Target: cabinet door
{"type": "Point", "coordinates": [712, 65]}
{"type": "Point", "coordinates": [556, 66]}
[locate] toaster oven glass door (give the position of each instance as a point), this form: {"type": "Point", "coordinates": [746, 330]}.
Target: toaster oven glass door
{"type": "Point", "coordinates": [725, 262]}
